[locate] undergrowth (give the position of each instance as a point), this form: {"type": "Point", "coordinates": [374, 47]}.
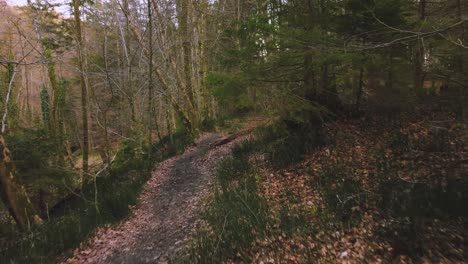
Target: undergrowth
{"type": "Point", "coordinates": [238, 215]}
{"type": "Point", "coordinates": [76, 217]}
{"type": "Point", "coordinates": [345, 194]}
{"type": "Point", "coordinates": [342, 194]}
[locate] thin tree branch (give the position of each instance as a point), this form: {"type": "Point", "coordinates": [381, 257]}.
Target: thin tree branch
{"type": "Point", "coordinates": [5, 113]}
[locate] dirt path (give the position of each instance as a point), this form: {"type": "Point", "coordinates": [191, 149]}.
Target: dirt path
{"type": "Point", "coordinates": [167, 211]}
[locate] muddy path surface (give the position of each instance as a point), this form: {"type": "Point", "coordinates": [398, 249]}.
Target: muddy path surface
{"type": "Point", "coordinates": [168, 209]}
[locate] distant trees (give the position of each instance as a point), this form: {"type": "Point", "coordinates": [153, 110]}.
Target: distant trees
{"type": "Point", "coordinates": [54, 38]}
{"type": "Point", "coordinates": [106, 74]}
{"type": "Point", "coordinates": [12, 192]}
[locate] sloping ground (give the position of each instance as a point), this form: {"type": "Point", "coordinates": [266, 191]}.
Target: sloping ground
{"type": "Point", "coordinates": [384, 190]}
{"type": "Point", "coordinates": [167, 211]}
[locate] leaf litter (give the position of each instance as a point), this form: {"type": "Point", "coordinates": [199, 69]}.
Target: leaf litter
{"type": "Point", "coordinates": [167, 211]}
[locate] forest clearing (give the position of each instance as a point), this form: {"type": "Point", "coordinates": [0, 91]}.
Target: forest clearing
{"type": "Point", "coordinates": [233, 131]}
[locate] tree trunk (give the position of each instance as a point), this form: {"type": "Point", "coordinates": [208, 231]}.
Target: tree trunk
{"type": "Point", "coordinates": [389, 82]}
{"type": "Point", "coordinates": [84, 92]}
{"type": "Point", "coordinates": [422, 9]}
{"type": "Point", "coordinates": [168, 120]}
{"type": "Point", "coordinates": [13, 194]}
{"type": "Point", "coordinates": [185, 37]}
{"type": "Point", "coordinates": [419, 55]}
{"type": "Point", "coordinates": [186, 46]}
{"type": "Point", "coordinates": [56, 132]}
{"type": "Point", "coordinates": [164, 82]}
{"type": "Point", "coordinates": [309, 78]}
{"type": "Point", "coordinates": [203, 31]}
{"type": "Point", "coordinates": [150, 74]}
{"type": "Point", "coordinates": [418, 68]}
{"type": "Point", "coordinates": [360, 88]}
{"type": "Point", "coordinates": [361, 78]}
{"type": "Point", "coordinates": [323, 80]}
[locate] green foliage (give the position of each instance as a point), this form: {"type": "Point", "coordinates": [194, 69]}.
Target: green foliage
{"type": "Point", "coordinates": [45, 107]}
{"type": "Point", "coordinates": [34, 154]}
{"type": "Point", "coordinates": [360, 16]}
{"type": "Point", "coordinates": [64, 85]}
{"type": "Point", "coordinates": [420, 213]}
{"type": "Point", "coordinates": [127, 158]}
{"type": "Point", "coordinates": [74, 218]}
{"type": "Point", "coordinates": [56, 33]}
{"type": "Point", "coordinates": [231, 93]}
{"type": "Point", "coordinates": [297, 56]}
{"type": "Point", "coordinates": [400, 199]}
{"type": "Point", "coordinates": [208, 124]}
{"type": "Point", "coordinates": [236, 216]}
{"type": "Point", "coordinates": [287, 142]}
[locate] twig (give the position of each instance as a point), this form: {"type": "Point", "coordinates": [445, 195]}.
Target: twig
{"type": "Point", "coordinates": [222, 231]}
{"type": "Point", "coordinates": [248, 207]}
{"type": "Point", "coordinates": [7, 100]}
{"type": "Point", "coordinates": [106, 166]}
{"type": "Point", "coordinates": [73, 192]}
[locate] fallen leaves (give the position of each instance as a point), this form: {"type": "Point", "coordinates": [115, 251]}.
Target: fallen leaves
{"type": "Point", "coordinates": [166, 214]}
{"type": "Point", "coordinates": [364, 146]}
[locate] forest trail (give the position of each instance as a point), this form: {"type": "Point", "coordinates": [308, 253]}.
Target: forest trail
{"type": "Point", "coordinates": [167, 211]}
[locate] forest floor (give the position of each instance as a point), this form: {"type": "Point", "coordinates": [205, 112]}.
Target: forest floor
{"type": "Point", "coordinates": [167, 211]}
{"type": "Point", "coordinates": [397, 181]}
{"type": "Point", "coordinates": [408, 208]}
{"type": "Point", "coordinates": [379, 189]}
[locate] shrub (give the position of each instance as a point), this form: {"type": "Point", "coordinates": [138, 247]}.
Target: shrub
{"type": "Point", "coordinates": [285, 144]}
{"type": "Point", "coordinates": [238, 214]}
{"type": "Point", "coordinates": [76, 217]}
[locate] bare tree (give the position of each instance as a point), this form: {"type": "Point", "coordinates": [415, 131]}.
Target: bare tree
{"type": "Point", "coordinates": [84, 91]}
